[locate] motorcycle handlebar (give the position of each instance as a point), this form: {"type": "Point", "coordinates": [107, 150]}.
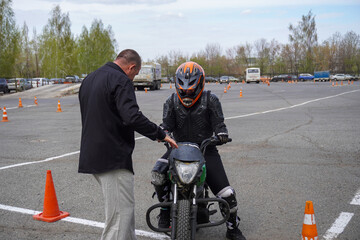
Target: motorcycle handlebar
{"type": "Point", "coordinates": [214, 140]}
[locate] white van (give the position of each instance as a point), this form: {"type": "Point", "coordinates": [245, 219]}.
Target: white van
{"type": "Point", "coordinates": [252, 75]}
{"type": "Point", "coordinates": [38, 82]}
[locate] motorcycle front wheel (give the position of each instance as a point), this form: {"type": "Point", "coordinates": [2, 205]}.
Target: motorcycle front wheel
{"type": "Point", "coordinates": [183, 229]}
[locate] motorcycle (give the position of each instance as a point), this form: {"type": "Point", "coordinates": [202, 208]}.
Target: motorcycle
{"type": "Point", "coordinates": [189, 199]}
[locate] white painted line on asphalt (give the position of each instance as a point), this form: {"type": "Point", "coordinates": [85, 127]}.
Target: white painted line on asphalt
{"type": "Point", "coordinates": [48, 159]}
{"type": "Point", "coordinates": [41, 161]}
{"type": "Point", "coordinates": [293, 106]}
{"type": "Point", "coordinates": [356, 199]}
{"type": "Point", "coordinates": [82, 221]}
{"type": "Point", "coordinates": [338, 226]}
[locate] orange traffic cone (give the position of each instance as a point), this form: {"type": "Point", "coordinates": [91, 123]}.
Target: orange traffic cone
{"type": "Point", "coordinates": [5, 118]}
{"type": "Point", "coordinates": [51, 211]}
{"type": "Point", "coordinates": [20, 103]}
{"type": "Point", "coordinates": [35, 101]}
{"type": "Point", "coordinates": [225, 90]}
{"type": "Point", "coordinates": [268, 83]}
{"type": "Point", "coordinates": [170, 86]}
{"type": "Point", "coordinates": [333, 84]}
{"type": "Point", "coordinates": [309, 231]}
{"type": "Point", "coordinates": [145, 90]}
{"type": "Point", "coordinates": [241, 93]}
{"type": "Point", "coordinates": [59, 107]}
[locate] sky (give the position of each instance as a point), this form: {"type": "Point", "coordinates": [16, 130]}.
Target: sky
{"type": "Point", "coordinates": [156, 27]}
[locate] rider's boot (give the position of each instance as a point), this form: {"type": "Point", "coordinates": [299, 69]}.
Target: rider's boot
{"type": "Point", "coordinates": [164, 218]}
{"type": "Point", "coordinates": [162, 193]}
{"type": "Point", "coordinates": [233, 232]}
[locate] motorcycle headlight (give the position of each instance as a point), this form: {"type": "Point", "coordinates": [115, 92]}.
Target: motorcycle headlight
{"type": "Point", "coordinates": [186, 170]}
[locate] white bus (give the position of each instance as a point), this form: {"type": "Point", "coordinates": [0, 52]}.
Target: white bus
{"type": "Point", "coordinates": [252, 75]}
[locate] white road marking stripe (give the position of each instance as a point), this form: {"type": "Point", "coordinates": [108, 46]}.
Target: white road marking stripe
{"type": "Point", "coordinates": [34, 162]}
{"type": "Point", "coordinates": [356, 199]}
{"type": "Point", "coordinates": [293, 106]}
{"type": "Point", "coordinates": [48, 159]}
{"type": "Point", "coordinates": [82, 221]}
{"type": "Point", "coordinates": [338, 226]}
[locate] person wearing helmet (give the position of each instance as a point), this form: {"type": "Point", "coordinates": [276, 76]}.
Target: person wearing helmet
{"type": "Point", "coordinates": [192, 115]}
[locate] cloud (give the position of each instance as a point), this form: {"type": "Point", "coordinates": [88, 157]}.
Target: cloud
{"type": "Point", "coordinates": [247, 11]}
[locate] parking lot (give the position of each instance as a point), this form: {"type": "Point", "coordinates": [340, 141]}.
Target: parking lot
{"type": "Point", "coordinates": [292, 142]}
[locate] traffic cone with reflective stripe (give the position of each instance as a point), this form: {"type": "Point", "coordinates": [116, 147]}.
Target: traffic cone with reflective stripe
{"type": "Point", "coordinates": [309, 231]}
{"type": "Point", "coordinates": [225, 90]}
{"type": "Point", "coordinates": [59, 107]}
{"type": "Point", "coordinates": [241, 93]}
{"type": "Point", "coordinates": [51, 212]}
{"type": "Point", "coordinates": [35, 101]}
{"type": "Point", "coordinates": [20, 103]}
{"type": "Point", "coordinates": [5, 118]}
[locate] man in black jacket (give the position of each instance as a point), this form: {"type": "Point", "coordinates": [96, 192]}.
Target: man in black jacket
{"type": "Point", "coordinates": [109, 116]}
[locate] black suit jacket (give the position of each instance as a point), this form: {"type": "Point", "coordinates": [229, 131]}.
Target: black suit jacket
{"type": "Point", "coordinates": [109, 116]}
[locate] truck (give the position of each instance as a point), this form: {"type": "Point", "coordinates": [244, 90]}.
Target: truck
{"type": "Point", "coordinates": [322, 76]}
{"type": "Point", "coordinates": [148, 77]}
{"type": "Point", "coordinates": [252, 75]}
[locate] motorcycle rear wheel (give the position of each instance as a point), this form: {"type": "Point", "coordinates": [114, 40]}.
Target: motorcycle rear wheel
{"type": "Point", "coordinates": [183, 229]}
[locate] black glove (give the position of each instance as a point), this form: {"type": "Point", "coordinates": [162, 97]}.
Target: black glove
{"type": "Point", "coordinates": [223, 137]}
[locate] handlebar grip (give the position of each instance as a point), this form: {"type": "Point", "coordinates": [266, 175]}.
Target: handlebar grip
{"type": "Point", "coordinates": [229, 139]}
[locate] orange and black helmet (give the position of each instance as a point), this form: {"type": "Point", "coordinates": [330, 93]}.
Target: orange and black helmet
{"type": "Point", "coordinates": [189, 83]}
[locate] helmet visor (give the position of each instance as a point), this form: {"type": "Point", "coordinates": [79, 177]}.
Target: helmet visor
{"type": "Point", "coordinates": [187, 92]}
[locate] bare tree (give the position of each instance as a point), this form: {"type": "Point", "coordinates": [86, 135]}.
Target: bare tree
{"type": "Point", "coordinates": [305, 35]}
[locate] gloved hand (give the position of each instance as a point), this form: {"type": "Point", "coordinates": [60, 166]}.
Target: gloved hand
{"type": "Point", "coordinates": [223, 137]}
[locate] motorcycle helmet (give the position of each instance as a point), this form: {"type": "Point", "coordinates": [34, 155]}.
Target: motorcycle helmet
{"type": "Point", "coordinates": [189, 83]}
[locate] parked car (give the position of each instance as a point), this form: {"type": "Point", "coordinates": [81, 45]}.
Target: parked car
{"type": "Point", "coordinates": [26, 84]}
{"type": "Point", "coordinates": [284, 77]}
{"type": "Point", "coordinates": [338, 77]}
{"type": "Point", "coordinates": [38, 82]}
{"type": "Point", "coordinates": [305, 77]}
{"type": "Point", "coordinates": [350, 77]}
{"type": "Point", "coordinates": [210, 79]}
{"type": "Point", "coordinates": [18, 84]}
{"type": "Point", "coordinates": [224, 79]}
{"type": "Point", "coordinates": [72, 79]}
{"type": "Point", "coordinates": [56, 80]}
{"type": "Point", "coordinates": [3, 86]}
{"type": "Point", "coordinates": [233, 79]}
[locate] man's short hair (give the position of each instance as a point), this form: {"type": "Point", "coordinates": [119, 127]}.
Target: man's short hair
{"type": "Point", "coordinates": [131, 56]}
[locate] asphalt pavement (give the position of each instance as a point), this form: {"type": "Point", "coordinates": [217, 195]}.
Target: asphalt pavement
{"type": "Point", "coordinates": [292, 142]}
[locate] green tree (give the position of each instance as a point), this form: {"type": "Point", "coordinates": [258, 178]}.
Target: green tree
{"type": "Point", "coordinates": [96, 46]}
{"type": "Point", "coordinates": [24, 64]}
{"type": "Point", "coordinates": [305, 35]}
{"type": "Point", "coordinates": [57, 48]}
{"type": "Point", "coordinates": [9, 39]}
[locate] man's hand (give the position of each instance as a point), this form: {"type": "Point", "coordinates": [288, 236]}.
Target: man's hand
{"type": "Point", "coordinates": [170, 141]}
